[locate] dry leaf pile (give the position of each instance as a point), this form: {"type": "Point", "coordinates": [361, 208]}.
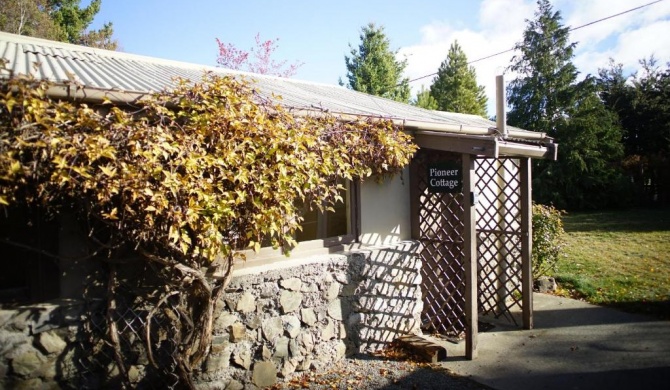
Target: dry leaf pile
{"type": "Point", "coordinates": [393, 368]}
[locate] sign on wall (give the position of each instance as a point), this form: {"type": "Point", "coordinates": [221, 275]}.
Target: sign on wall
{"type": "Point", "coordinates": [446, 177]}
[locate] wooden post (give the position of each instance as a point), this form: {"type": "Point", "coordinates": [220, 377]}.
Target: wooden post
{"type": "Point", "coordinates": [470, 261]}
{"type": "Point", "coordinates": [501, 250]}
{"type": "Point", "coordinates": [414, 199]}
{"type": "Point", "coordinates": [526, 200]}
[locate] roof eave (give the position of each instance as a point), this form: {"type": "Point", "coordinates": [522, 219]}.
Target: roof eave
{"type": "Point", "coordinates": [547, 151]}
{"type": "Point", "coordinates": [93, 95]}
{"type": "Point", "coordinates": [473, 140]}
{"type": "Point", "coordinates": [489, 146]}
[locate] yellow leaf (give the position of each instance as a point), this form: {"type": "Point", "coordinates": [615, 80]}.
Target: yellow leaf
{"type": "Point", "coordinates": [109, 171]}
{"type": "Point", "coordinates": [3, 201]}
{"type": "Point", "coordinates": [112, 214]}
{"type": "Point", "coordinates": [184, 247]}
{"type": "Point", "coordinates": [173, 234]}
{"type": "Point", "coordinates": [10, 104]}
{"type": "Point", "coordinates": [185, 237]}
{"type": "Point", "coordinates": [15, 167]}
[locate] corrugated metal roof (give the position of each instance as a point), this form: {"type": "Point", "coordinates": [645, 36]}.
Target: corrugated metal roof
{"type": "Point", "coordinates": [117, 71]}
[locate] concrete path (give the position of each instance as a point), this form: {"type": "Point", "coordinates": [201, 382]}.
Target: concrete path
{"type": "Point", "coordinates": [574, 345]}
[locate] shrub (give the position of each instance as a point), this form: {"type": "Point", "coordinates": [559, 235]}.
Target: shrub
{"type": "Point", "coordinates": [548, 238]}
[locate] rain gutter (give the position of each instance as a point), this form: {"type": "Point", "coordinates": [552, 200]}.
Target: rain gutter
{"type": "Point", "coordinates": [92, 94]}
{"type": "Point", "coordinates": [98, 95]}
{"type": "Point", "coordinates": [474, 130]}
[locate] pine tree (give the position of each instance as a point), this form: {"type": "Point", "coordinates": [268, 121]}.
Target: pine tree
{"type": "Point", "coordinates": [74, 20]}
{"type": "Point", "coordinates": [373, 67]}
{"type": "Point", "coordinates": [546, 97]}
{"type": "Point", "coordinates": [455, 87]}
{"type": "Point", "coordinates": [425, 100]}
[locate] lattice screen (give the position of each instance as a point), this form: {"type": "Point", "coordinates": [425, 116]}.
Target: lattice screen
{"type": "Point", "coordinates": [441, 230]}
{"type": "Point", "coordinates": [499, 236]}
{"type": "Point", "coordinates": [441, 235]}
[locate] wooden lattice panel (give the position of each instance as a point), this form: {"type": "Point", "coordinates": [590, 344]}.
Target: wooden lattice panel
{"type": "Point", "coordinates": [441, 234]}
{"type": "Point", "coordinates": [441, 231]}
{"type": "Point", "coordinates": [498, 185]}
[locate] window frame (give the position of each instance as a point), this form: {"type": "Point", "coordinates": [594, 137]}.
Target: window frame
{"type": "Point", "coordinates": [321, 246]}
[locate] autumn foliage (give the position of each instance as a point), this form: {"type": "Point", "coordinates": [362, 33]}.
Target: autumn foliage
{"type": "Point", "coordinates": [185, 178]}
{"type": "Point", "coordinates": [195, 173]}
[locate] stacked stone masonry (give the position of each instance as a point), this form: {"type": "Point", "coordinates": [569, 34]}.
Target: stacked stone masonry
{"type": "Point", "coordinates": [36, 345]}
{"type": "Point", "coordinates": [272, 323]}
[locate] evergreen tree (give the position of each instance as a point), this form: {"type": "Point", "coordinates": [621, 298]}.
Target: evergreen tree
{"type": "Point", "coordinates": [546, 97]}
{"type": "Point", "coordinates": [425, 100]}
{"type": "Point", "coordinates": [102, 38]}
{"type": "Point", "coordinates": [642, 103]}
{"type": "Point", "coordinates": [649, 123]}
{"type": "Point", "coordinates": [61, 20]}
{"type": "Point", "coordinates": [455, 87]}
{"type": "Point", "coordinates": [543, 90]}
{"type": "Point", "coordinates": [74, 20]}
{"type": "Point", "coordinates": [373, 68]}
{"type": "Point", "coordinates": [588, 172]}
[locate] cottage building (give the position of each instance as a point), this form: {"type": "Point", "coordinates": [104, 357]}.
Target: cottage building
{"type": "Point", "coordinates": [429, 249]}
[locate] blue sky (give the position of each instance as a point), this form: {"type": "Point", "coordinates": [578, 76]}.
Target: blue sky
{"type": "Point", "coordinates": [318, 33]}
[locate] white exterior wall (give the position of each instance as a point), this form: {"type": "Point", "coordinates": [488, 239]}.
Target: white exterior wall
{"type": "Point", "coordinates": [385, 210]}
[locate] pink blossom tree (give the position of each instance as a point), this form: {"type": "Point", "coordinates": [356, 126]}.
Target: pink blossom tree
{"type": "Point", "coordinates": [261, 58]}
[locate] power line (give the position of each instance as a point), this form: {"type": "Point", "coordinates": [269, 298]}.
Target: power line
{"type": "Point", "coordinates": [615, 15]}
{"type": "Point", "coordinates": [569, 30]}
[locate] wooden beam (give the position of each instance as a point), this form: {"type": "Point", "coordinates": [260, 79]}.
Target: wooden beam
{"type": "Point", "coordinates": [500, 203]}
{"type": "Point", "coordinates": [425, 347]}
{"type": "Point", "coordinates": [481, 146]}
{"type": "Point", "coordinates": [526, 200]}
{"type": "Point", "coordinates": [415, 198]}
{"type": "Point", "coordinates": [355, 209]}
{"type": "Point", "coordinates": [470, 261]}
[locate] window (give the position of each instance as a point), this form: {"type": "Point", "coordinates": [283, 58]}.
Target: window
{"type": "Point", "coordinates": [321, 225]}
{"type": "Point", "coordinates": [322, 233]}
{"type": "Point", "coordinates": [28, 243]}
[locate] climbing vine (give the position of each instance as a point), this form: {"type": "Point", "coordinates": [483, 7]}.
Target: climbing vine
{"type": "Point", "coordinates": [184, 179]}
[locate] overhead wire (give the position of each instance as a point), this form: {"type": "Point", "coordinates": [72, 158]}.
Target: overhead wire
{"type": "Point", "coordinates": [569, 30]}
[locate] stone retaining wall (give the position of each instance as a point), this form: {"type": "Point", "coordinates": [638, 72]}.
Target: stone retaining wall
{"type": "Point", "coordinates": [294, 319]}
{"type": "Point", "coordinates": [273, 323]}
{"type": "Point", "coordinates": [35, 345]}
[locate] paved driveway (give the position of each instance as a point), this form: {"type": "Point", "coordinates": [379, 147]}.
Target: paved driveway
{"type": "Point", "coordinates": [574, 345]}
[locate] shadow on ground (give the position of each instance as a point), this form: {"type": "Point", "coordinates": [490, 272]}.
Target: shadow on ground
{"type": "Point", "coordinates": [643, 378]}
{"type": "Point", "coordinates": [633, 220]}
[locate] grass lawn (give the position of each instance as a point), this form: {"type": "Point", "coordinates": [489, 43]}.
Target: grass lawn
{"type": "Point", "coordinates": [619, 259]}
